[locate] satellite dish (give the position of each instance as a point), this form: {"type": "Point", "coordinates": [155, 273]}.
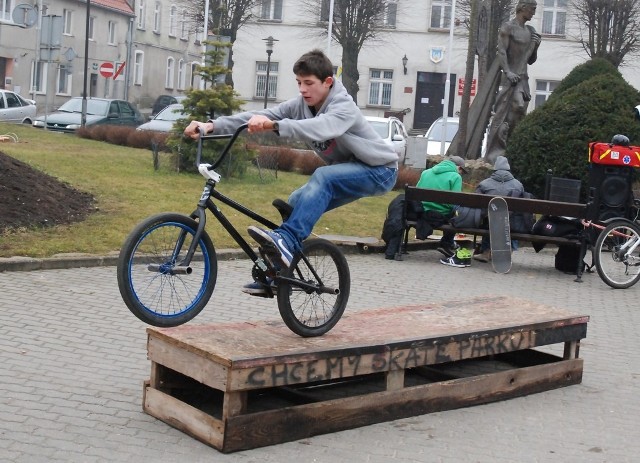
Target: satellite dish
{"type": "Point", "coordinates": [25, 15]}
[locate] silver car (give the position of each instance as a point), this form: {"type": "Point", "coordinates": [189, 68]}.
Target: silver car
{"type": "Point", "coordinates": [14, 108]}
{"type": "Point", "coordinates": [391, 129]}
{"type": "Point", "coordinates": [165, 119]}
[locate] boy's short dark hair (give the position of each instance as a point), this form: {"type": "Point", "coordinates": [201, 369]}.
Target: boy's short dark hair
{"type": "Point", "coordinates": [314, 63]}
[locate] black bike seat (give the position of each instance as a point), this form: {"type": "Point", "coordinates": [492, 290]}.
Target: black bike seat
{"type": "Point", "coordinates": [284, 208]}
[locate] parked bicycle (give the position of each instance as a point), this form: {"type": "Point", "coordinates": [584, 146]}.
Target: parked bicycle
{"type": "Point", "coordinates": [616, 253]}
{"type": "Point", "coordinates": [167, 268]}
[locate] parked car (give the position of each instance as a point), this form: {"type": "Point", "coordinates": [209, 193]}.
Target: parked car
{"type": "Point", "coordinates": [165, 119]}
{"type": "Point", "coordinates": [163, 101]}
{"type": "Point", "coordinates": [435, 135]}
{"type": "Point", "coordinates": [103, 111]}
{"type": "Point", "coordinates": [14, 108]}
{"type": "Point", "coordinates": [393, 130]}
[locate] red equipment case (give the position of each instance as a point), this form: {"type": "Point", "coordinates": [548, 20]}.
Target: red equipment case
{"type": "Point", "coordinates": [614, 155]}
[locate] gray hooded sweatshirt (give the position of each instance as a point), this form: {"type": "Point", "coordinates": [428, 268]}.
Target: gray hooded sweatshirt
{"type": "Point", "coordinates": [501, 182]}
{"type": "Point", "coordinates": [337, 133]}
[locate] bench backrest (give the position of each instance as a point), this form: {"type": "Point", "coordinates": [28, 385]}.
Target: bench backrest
{"type": "Point", "coordinates": [536, 206]}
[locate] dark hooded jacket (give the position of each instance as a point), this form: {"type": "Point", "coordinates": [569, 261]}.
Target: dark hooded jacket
{"type": "Point", "coordinates": [501, 182]}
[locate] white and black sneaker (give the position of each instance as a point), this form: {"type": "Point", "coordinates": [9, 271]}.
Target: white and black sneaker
{"type": "Point", "coordinates": [272, 242]}
{"type": "Point", "coordinates": [462, 258]}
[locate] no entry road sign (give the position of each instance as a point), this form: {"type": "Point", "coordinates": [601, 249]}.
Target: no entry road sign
{"type": "Point", "coordinates": [106, 69]}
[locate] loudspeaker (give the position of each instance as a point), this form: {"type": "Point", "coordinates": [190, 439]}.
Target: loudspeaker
{"type": "Point", "coordinates": [610, 191]}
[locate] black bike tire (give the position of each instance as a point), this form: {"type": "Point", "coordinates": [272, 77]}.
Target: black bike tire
{"type": "Point", "coordinates": [129, 256]}
{"type": "Point", "coordinates": [288, 295]}
{"type": "Point", "coordinates": [600, 254]}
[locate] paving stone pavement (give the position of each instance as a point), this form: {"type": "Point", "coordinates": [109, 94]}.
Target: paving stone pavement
{"type": "Point", "coordinates": [73, 359]}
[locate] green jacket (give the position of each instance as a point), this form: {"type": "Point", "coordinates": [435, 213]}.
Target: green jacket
{"type": "Point", "coordinates": [442, 176]}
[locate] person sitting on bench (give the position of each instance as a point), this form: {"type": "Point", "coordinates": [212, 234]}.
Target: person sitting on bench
{"type": "Point", "coordinates": [501, 182]}
{"type": "Point", "coordinates": [446, 175]}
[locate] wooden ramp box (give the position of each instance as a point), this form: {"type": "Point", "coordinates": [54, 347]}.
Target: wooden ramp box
{"type": "Point", "coordinates": [245, 385]}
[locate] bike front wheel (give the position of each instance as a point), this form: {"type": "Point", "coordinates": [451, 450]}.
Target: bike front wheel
{"type": "Point", "coordinates": [617, 254]}
{"type": "Point", "coordinates": [314, 309]}
{"type": "Point", "coordinates": [154, 283]}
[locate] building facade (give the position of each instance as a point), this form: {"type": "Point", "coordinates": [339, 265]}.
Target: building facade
{"type": "Point", "coordinates": [135, 50]}
{"type": "Point", "coordinates": [161, 50]}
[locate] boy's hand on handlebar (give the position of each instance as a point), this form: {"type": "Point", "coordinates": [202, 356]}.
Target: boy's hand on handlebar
{"type": "Point", "coordinates": [259, 123]}
{"type": "Point", "coordinates": [196, 128]}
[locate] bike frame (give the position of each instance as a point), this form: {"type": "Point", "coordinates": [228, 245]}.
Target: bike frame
{"type": "Point", "coordinates": [205, 202]}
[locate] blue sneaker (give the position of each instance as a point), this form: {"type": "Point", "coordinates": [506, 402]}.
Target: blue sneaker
{"type": "Point", "coordinates": [258, 289]}
{"type": "Point", "coordinates": [272, 241]}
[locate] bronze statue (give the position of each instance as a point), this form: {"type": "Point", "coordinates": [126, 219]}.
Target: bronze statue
{"type": "Point", "coordinates": [517, 47]}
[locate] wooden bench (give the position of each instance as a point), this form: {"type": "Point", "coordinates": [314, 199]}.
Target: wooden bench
{"type": "Point", "coordinates": [477, 200]}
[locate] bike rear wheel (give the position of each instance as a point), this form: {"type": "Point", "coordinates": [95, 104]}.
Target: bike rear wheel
{"type": "Point", "coordinates": [309, 312]}
{"type": "Point", "coordinates": [153, 284]}
{"type": "Point", "coordinates": [614, 264]}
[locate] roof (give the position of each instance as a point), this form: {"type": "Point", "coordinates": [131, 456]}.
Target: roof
{"type": "Point", "coordinates": [117, 5]}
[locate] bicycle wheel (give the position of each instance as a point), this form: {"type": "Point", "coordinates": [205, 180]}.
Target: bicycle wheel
{"type": "Point", "coordinates": [617, 263]}
{"type": "Point", "coordinates": [308, 312]}
{"type": "Point", "coordinates": [153, 285]}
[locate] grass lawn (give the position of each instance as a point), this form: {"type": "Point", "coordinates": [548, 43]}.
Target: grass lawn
{"type": "Point", "coordinates": [127, 189]}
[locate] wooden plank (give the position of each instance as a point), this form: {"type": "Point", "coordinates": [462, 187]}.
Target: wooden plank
{"type": "Point", "coordinates": [395, 380]}
{"type": "Point", "coordinates": [399, 356]}
{"type": "Point", "coordinates": [292, 423]}
{"type": "Point", "coordinates": [188, 363]}
{"type": "Point", "coordinates": [184, 417]}
{"type": "Point", "coordinates": [234, 403]}
{"type": "Point", "coordinates": [536, 206]}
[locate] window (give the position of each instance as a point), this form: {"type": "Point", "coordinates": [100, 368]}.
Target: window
{"type": "Point", "coordinates": [380, 87]}
{"type": "Point", "coordinates": [173, 20]}
{"type": "Point", "coordinates": [554, 15]}
{"type": "Point", "coordinates": [141, 13]}
{"type": "Point", "coordinates": [441, 14]}
{"type": "Point", "coordinates": [194, 73]}
{"type": "Point", "coordinates": [182, 71]}
{"type": "Point", "coordinates": [66, 18]}
{"type": "Point", "coordinates": [111, 39]}
{"type": "Point", "coordinates": [271, 9]}
{"type": "Point", "coordinates": [7, 9]}
{"type": "Point", "coordinates": [64, 80]}
{"type": "Point", "coordinates": [138, 65]}
{"type": "Point", "coordinates": [388, 18]}
{"type": "Point", "coordinates": [544, 88]}
{"type": "Point", "coordinates": [157, 10]}
{"type": "Point", "coordinates": [261, 79]}
{"type": "Point", "coordinates": [39, 77]}
{"type": "Point", "coordinates": [92, 20]}
{"type": "Point", "coordinates": [168, 82]}
{"type": "Point", "coordinates": [184, 30]}
{"type": "Point", "coordinates": [13, 101]}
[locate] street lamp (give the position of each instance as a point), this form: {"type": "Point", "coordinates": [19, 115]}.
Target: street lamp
{"type": "Point", "coordinates": [404, 63]}
{"type": "Point", "coordinates": [270, 40]}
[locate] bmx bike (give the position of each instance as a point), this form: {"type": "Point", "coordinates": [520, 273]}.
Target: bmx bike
{"type": "Point", "coordinates": [167, 267]}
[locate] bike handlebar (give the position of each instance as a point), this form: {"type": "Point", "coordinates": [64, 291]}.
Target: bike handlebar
{"type": "Point", "coordinates": [232, 136]}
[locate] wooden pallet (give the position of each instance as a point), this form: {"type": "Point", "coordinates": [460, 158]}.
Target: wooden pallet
{"type": "Point", "coordinates": [245, 385]}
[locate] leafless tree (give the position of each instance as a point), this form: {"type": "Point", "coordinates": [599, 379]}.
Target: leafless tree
{"type": "Point", "coordinates": [609, 29]}
{"type": "Point", "coordinates": [354, 22]}
{"type": "Point", "coordinates": [226, 17]}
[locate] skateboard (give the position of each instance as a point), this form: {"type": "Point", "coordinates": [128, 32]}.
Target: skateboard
{"type": "Point", "coordinates": [363, 243]}
{"type": "Point", "coordinates": [500, 235]}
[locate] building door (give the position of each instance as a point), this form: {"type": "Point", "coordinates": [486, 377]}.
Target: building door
{"type": "Point", "coordinates": [430, 97]}
{"type": "Point", "coordinates": [3, 71]}
{"type": "Point", "coordinates": [93, 85]}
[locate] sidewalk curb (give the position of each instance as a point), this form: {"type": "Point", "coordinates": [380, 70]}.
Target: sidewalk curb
{"type": "Point", "coordinates": [66, 261]}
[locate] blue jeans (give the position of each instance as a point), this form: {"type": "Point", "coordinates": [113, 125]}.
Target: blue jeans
{"type": "Point", "coordinates": [330, 187]}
